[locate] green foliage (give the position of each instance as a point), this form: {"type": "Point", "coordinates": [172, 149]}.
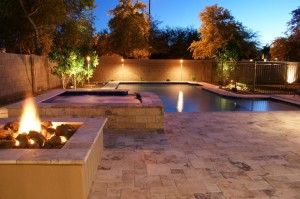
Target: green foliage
{"type": "Point", "coordinates": [172, 43]}
{"type": "Point", "coordinates": [102, 43]}
{"type": "Point", "coordinates": [224, 71]}
{"type": "Point", "coordinates": [230, 52]}
{"type": "Point", "coordinates": [31, 26]}
{"type": "Point", "coordinates": [129, 29]}
{"type": "Point", "coordinates": [72, 67]}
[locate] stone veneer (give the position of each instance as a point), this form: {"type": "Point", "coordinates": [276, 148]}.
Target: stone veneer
{"type": "Point", "coordinates": [147, 114]}
{"type": "Point", "coordinates": [66, 173]}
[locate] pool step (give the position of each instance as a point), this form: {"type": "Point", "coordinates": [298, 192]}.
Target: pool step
{"type": "Point", "coordinates": [111, 85]}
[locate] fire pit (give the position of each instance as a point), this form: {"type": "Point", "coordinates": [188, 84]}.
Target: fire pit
{"type": "Point", "coordinates": [50, 136]}
{"type": "Point", "coordinates": [31, 133]}
{"type": "Point", "coordinates": [65, 173]}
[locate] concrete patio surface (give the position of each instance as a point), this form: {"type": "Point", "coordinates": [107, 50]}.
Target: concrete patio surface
{"type": "Point", "coordinates": [212, 155]}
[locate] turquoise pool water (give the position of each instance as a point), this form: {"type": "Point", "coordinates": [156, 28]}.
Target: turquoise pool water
{"type": "Point", "coordinates": [189, 98]}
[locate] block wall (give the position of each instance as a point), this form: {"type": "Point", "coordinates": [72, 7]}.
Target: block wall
{"type": "Point", "coordinates": [21, 75]}
{"type": "Point", "coordinates": [113, 68]}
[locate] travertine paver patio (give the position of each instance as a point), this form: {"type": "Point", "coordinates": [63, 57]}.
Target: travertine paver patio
{"type": "Point", "coordinates": [214, 155]}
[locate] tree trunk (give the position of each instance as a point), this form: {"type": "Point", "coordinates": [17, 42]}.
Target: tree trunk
{"type": "Point", "coordinates": [36, 30]}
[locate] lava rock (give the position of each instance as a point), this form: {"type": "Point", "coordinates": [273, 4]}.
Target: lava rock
{"type": "Point", "coordinates": [37, 137]}
{"type": "Point", "coordinates": [5, 134]}
{"type": "Point", "coordinates": [47, 124]}
{"type": "Point", "coordinates": [6, 144]}
{"type": "Point", "coordinates": [65, 130]}
{"type": "Point", "coordinates": [12, 125]}
{"type": "Point", "coordinates": [23, 140]}
{"type": "Point", "coordinates": [53, 142]}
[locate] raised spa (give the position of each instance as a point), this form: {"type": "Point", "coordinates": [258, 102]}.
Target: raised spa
{"type": "Point", "coordinates": [122, 110]}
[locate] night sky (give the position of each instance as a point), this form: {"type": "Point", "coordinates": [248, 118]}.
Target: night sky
{"type": "Point", "coordinates": [266, 17]}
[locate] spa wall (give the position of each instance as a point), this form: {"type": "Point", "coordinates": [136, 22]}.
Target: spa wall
{"type": "Point", "coordinates": [21, 75]}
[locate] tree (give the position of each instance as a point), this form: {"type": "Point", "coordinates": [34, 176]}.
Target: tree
{"type": "Point", "coordinates": [230, 52]}
{"type": "Point", "coordinates": [294, 24]}
{"type": "Point", "coordinates": [279, 49]}
{"type": "Point", "coordinates": [158, 41]}
{"type": "Point", "coordinates": [179, 40]}
{"type": "Point", "coordinates": [294, 36]}
{"type": "Point", "coordinates": [73, 67]}
{"type": "Point", "coordinates": [76, 33]}
{"type": "Point", "coordinates": [287, 48]}
{"type": "Point", "coordinates": [172, 43]}
{"type": "Point", "coordinates": [28, 26]}
{"type": "Point", "coordinates": [265, 51]}
{"type": "Point", "coordinates": [219, 29]}
{"type": "Point", "coordinates": [129, 29]}
{"type": "Point", "coordinates": [102, 43]}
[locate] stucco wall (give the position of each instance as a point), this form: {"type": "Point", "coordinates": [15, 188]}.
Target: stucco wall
{"type": "Point", "coordinates": [112, 68]}
{"type": "Point", "coordinates": [24, 74]}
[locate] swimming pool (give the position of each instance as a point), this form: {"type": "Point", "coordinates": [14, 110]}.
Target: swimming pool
{"type": "Point", "coordinates": [190, 98]}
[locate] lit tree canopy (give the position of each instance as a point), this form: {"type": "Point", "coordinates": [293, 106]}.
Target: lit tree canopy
{"type": "Point", "coordinates": [129, 29]}
{"type": "Point", "coordinates": [220, 30]}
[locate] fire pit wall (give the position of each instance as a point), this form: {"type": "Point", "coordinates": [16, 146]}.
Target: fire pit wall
{"type": "Point", "coordinates": [65, 173]}
{"type": "Point", "coordinates": [147, 114]}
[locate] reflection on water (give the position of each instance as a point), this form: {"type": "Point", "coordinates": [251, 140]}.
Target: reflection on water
{"type": "Point", "coordinates": [187, 98]}
{"type": "Point", "coordinates": [180, 101]}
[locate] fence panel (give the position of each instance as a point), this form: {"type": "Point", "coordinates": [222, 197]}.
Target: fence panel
{"type": "Point", "coordinates": [259, 77]}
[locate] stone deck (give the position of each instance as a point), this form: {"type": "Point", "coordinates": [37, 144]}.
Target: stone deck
{"type": "Point", "coordinates": [213, 155]}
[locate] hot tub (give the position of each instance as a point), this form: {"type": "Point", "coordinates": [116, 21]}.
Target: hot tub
{"type": "Point", "coordinates": [122, 110]}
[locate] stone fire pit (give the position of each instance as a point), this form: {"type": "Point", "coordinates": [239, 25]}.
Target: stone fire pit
{"type": "Point", "coordinates": [65, 173]}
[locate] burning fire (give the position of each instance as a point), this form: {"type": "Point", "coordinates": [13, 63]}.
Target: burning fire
{"type": "Point", "coordinates": [29, 119]}
{"type": "Point", "coordinates": [32, 133]}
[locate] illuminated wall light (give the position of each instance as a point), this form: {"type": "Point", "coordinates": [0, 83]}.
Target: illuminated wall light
{"type": "Point", "coordinates": [181, 61]}
{"type": "Point", "coordinates": [180, 102]}
{"type": "Point", "coordinates": [291, 74]}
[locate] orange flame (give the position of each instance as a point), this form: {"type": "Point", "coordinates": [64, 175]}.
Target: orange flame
{"type": "Point", "coordinates": [29, 119]}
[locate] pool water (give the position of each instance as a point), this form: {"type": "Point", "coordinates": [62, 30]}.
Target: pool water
{"type": "Point", "coordinates": [189, 98]}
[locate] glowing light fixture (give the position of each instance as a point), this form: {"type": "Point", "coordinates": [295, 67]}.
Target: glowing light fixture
{"type": "Point", "coordinates": [181, 69]}
{"type": "Point", "coordinates": [88, 61]}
